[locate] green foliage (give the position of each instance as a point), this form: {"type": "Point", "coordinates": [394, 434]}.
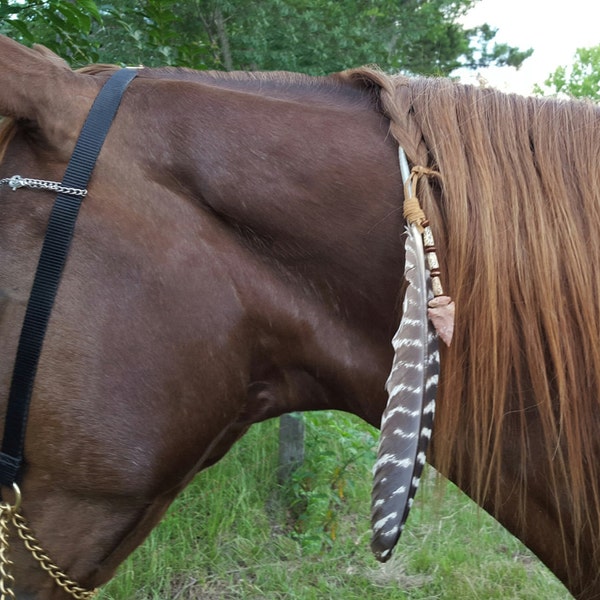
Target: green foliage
{"type": "Point", "coordinates": [343, 449]}
{"type": "Point", "coordinates": [153, 33]}
{"type": "Point", "coordinates": [232, 534]}
{"type": "Point", "coordinates": [484, 51]}
{"type": "Point", "coordinates": [311, 36]}
{"type": "Point", "coordinates": [61, 25]}
{"type": "Point", "coordinates": [579, 80]}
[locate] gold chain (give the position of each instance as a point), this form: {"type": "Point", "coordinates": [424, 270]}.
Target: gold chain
{"type": "Point", "coordinates": [10, 514]}
{"type": "Point", "coordinates": [6, 579]}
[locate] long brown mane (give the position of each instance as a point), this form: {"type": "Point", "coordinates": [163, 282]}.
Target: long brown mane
{"type": "Point", "coordinates": [518, 219]}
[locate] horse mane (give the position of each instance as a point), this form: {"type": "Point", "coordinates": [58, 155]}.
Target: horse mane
{"type": "Point", "coordinates": [330, 90]}
{"type": "Point", "coordinates": [274, 78]}
{"type": "Point", "coordinates": [517, 219]}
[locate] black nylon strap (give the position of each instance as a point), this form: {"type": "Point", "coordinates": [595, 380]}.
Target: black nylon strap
{"type": "Point", "coordinates": [52, 260]}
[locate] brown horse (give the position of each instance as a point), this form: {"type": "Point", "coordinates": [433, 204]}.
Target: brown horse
{"type": "Point", "coordinates": [239, 255]}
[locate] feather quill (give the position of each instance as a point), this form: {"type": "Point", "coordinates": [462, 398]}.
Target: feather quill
{"type": "Point", "coordinates": [408, 418]}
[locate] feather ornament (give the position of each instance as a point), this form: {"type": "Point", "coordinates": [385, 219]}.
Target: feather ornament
{"type": "Point", "coordinates": [407, 421]}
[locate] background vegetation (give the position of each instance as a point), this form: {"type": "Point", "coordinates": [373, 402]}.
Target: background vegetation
{"type": "Point", "coordinates": [312, 36]}
{"type": "Point", "coordinates": [581, 79]}
{"type": "Point", "coordinates": [235, 534]}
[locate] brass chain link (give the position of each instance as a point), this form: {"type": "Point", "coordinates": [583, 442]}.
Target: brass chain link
{"type": "Point", "coordinates": [6, 579]}
{"type": "Point", "coordinates": [10, 514]}
{"type": "Point", "coordinates": [60, 577]}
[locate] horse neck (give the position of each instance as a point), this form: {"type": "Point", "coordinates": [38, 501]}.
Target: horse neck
{"type": "Point", "coordinates": [284, 188]}
{"type": "Point", "coordinates": [293, 182]}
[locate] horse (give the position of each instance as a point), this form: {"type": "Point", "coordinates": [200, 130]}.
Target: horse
{"type": "Point", "coordinates": [240, 254]}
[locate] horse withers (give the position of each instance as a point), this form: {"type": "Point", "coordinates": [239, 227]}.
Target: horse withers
{"type": "Point", "coordinates": [239, 255]}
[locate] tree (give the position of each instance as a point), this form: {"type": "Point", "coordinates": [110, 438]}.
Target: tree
{"type": "Point", "coordinates": [312, 36]}
{"type": "Point", "coordinates": [579, 80]}
{"type": "Point", "coordinates": [62, 25]}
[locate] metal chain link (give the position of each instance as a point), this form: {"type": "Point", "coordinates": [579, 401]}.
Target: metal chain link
{"type": "Point", "coordinates": [6, 579]}
{"type": "Point", "coordinates": [60, 577]}
{"type": "Point", "coordinates": [10, 514]}
{"type": "Point", "coordinates": [16, 181]}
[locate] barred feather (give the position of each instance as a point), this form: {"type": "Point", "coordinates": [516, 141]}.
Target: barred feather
{"type": "Point", "coordinates": [408, 418]}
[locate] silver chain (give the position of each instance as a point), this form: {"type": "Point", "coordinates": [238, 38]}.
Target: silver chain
{"type": "Point", "coordinates": [16, 181]}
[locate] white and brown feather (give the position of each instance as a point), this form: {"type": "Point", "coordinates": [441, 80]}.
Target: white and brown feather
{"type": "Point", "coordinates": [407, 421]}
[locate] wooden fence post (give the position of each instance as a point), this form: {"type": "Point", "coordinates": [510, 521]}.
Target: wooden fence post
{"type": "Point", "coordinates": [291, 445]}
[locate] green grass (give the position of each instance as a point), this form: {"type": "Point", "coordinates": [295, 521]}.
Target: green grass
{"type": "Point", "coordinates": [234, 534]}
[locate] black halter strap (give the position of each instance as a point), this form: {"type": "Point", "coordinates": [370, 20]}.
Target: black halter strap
{"type": "Point", "coordinates": [55, 249]}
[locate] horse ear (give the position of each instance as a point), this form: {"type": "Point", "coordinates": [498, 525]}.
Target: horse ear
{"type": "Point", "coordinates": [47, 53]}
{"type": "Point", "coordinates": [41, 88]}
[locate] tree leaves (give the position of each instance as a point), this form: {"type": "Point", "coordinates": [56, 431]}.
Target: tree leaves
{"type": "Point", "coordinates": [311, 36]}
{"type": "Point", "coordinates": [579, 80]}
{"type": "Point", "coordinates": [61, 25]}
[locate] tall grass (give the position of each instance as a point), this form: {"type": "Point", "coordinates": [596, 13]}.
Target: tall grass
{"type": "Point", "coordinates": [235, 534]}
